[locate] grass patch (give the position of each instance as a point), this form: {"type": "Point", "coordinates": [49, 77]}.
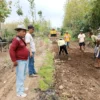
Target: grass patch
{"type": "Point", "coordinates": [46, 40]}
{"type": "Point", "coordinates": [46, 73]}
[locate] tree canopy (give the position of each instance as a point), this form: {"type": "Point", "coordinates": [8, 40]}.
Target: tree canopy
{"type": "Point", "coordinates": [4, 10]}
{"type": "Point", "coordinates": [82, 14]}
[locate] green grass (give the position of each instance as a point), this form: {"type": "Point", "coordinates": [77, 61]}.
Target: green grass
{"type": "Point", "coordinates": [46, 40]}
{"type": "Point", "coordinates": [46, 73]}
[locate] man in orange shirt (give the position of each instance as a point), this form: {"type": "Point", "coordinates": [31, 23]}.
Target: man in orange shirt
{"type": "Point", "coordinates": [67, 38]}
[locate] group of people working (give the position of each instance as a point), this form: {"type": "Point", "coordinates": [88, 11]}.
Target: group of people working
{"type": "Point", "coordinates": [64, 42]}
{"type": "Point", "coordinates": [96, 42]}
{"type": "Point", "coordinates": [22, 50]}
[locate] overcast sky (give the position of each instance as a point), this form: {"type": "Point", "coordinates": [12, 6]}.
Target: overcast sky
{"type": "Point", "coordinates": [53, 10]}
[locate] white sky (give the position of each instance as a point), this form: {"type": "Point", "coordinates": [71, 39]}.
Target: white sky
{"type": "Point", "coordinates": [52, 10]}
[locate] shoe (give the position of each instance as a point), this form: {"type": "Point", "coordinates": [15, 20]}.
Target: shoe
{"type": "Point", "coordinates": [22, 95]}
{"type": "Point", "coordinates": [36, 73]}
{"type": "Point", "coordinates": [26, 89]}
{"type": "Point", "coordinates": [33, 75]}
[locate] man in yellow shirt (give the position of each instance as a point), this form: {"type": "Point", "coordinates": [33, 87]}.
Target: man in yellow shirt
{"type": "Point", "coordinates": [67, 38]}
{"type": "Point", "coordinates": [53, 33]}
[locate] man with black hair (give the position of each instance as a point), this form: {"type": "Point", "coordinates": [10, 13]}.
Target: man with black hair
{"type": "Point", "coordinates": [31, 47]}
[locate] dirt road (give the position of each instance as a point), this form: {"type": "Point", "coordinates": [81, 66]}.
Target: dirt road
{"type": "Point", "coordinates": [74, 80]}
{"type": "Point", "coordinates": [8, 78]}
{"type": "Point", "coordinates": [77, 79]}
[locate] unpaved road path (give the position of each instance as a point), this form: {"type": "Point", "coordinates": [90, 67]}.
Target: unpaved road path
{"type": "Point", "coordinates": [8, 78]}
{"type": "Point", "coordinates": [77, 79]}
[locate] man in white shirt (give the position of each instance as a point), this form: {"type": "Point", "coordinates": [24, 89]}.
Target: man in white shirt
{"type": "Point", "coordinates": [31, 46]}
{"type": "Point", "coordinates": [81, 38]}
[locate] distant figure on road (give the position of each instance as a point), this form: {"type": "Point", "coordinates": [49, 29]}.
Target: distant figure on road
{"type": "Point", "coordinates": [67, 38]}
{"type": "Point", "coordinates": [81, 38]}
{"type": "Point", "coordinates": [19, 56]}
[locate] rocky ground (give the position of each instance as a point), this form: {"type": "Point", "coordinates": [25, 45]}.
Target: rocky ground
{"type": "Point", "coordinates": [77, 79]}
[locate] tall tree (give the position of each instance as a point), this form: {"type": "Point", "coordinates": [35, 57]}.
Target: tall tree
{"type": "Point", "coordinates": [94, 18]}
{"type": "Point", "coordinates": [40, 14]}
{"type": "Point", "coordinates": [5, 10]}
{"type": "Point", "coordinates": [75, 13]}
{"type": "Point", "coordinates": [32, 5]}
{"type": "Point", "coordinates": [19, 9]}
{"type": "Point", "coordinates": [26, 21]}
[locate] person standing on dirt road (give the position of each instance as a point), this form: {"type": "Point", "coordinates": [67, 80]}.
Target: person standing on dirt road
{"type": "Point", "coordinates": [93, 37]}
{"type": "Point", "coordinates": [67, 38]}
{"type": "Point", "coordinates": [97, 50]}
{"type": "Point", "coordinates": [19, 56]}
{"type": "Point", "coordinates": [81, 38]}
{"type": "Point", "coordinates": [31, 46]}
{"type": "Point", "coordinates": [94, 40]}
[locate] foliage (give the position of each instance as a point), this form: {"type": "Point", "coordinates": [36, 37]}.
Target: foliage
{"type": "Point", "coordinates": [4, 10]}
{"type": "Point", "coordinates": [95, 14]}
{"type": "Point", "coordinates": [32, 6]}
{"type": "Point", "coordinates": [8, 31]}
{"type": "Point", "coordinates": [46, 73]}
{"type": "Point", "coordinates": [19, 9]}
{"type": "Point", "coordinates": [76, 12]}
{"type": "Point", "coordinates": [83, 14]}
{"type": "Point", "coordinates": [42, 28]}
{"type": "Point", "coordinates": [40, 13]}
{"type": "Point", "coordinates": [26, 21]}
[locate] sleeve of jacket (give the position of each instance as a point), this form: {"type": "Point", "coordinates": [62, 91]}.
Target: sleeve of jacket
{"type": "Point", "coordinates": [12, 49]}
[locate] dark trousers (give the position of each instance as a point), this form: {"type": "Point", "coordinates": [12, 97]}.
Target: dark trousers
{"type": "Point", "coordinates": [31, 65]}
{"type": "Point", "coordinates": [63, 48]}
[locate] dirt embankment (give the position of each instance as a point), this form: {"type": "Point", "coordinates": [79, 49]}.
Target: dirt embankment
{"type": "Point", "coordinates": [77, 79]}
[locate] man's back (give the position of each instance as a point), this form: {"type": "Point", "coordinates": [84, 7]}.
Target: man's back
{"type": "Point", "coordinates": [61, 42]}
